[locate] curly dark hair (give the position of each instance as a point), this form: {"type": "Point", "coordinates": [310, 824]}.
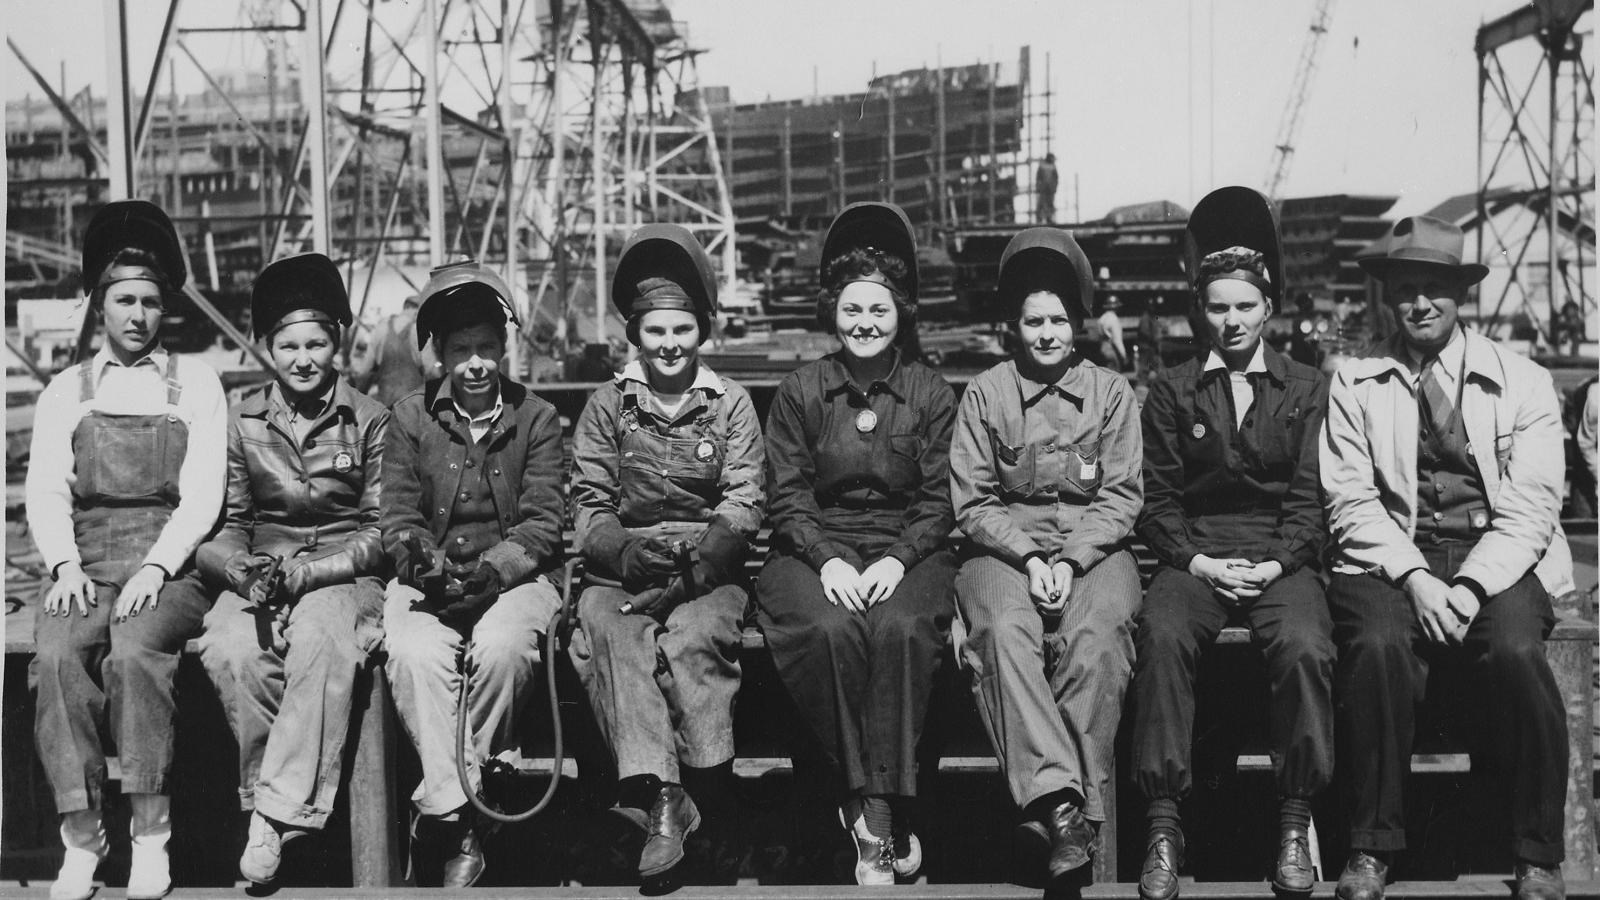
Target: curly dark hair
{"type": "Point", "coordinates": [1233, 259]}
{"type": "Point", "coordinates": [859, 261]}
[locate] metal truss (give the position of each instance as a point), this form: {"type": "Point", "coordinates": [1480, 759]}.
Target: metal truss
{"type": "Point", "coordinates": [1536, 172]}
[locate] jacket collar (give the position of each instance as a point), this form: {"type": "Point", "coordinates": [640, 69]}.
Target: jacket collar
{"type": "Point", "coordinates": [438, 395]}
{"type": "Point", "coordinates": [836, 376]}
{"type": "Point", "coordinates": [259, 403]}
{"type": "Point", "coordinates": [1480, 357]}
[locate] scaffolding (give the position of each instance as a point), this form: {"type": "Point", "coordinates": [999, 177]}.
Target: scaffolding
{"type": "Point", "coordinates": [1536, 174]}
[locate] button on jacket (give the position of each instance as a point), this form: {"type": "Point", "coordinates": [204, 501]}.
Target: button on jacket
{"type": "Point", "coordinates": [1053, 469]}
{"type": "Point", "coordinates": [1514, 435]}
{"type": "Point", "coordinates": [660, 474]}
{"type": "Point", "coordinates": [428, 458]}
{"type": "Point", "coordinates": [833, 473]}
{"type": "Point", "coordinates": [1221, 490]}
{"type": "Point", "coordinates": [318, 498]}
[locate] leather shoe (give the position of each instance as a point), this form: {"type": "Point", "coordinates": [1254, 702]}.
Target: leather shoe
{"type": "Point", "coordinates": [673, 817]}
{"type": "Point", "coordinates": [1158, 880]}
{"type": "Point", "coordinates": [1535, 882]}
{"type": "Point", "coordinates": [1295, 872]}
{"type": "Point", "coordinates": [1070, 838]}
{"type": "Point", "coordinates": [1362, 878]}
{"type": "Point", "coordinates": [466, 863]}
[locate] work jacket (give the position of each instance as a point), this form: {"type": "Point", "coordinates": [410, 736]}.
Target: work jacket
{"type": "Point", "coordinates": [1514, 436]}
{"type": "Point", "coordinates": [427, 457]}
{"type": "Point", "coordinates": [317, 499]}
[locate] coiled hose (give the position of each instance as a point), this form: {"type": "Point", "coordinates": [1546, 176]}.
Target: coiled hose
{"type": "Point", "coordinates": [558, 627]}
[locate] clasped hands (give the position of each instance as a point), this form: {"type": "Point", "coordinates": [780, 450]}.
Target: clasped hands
{"type": "Point", "coordinates": [859, 591]}
{"type": "Point", "coordinates": [1049, 585]}
{"type": "Point", "coordinates": [1235, 581]}
{"type": "Point", "coordinates": [458, 593]}
{"type": "Point", "coordinates": [1444, 611]}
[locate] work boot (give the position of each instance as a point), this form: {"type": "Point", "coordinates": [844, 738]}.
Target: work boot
{"type": "Point", "coordinates": [466, 863]}
{"type": "Point", "coordinates": [673, 817]}
{"type": "Point", "coordinates": [84, 836]}
{"type": "Point", "coordinates": [1070, 838]}
{"type": "Point", "coordinates": [875, 859]}
{"type": "Point", "coordinates": [1362, 878]}
{"type": "Point", "coordinates": [907, 848]}
{"type": "Point", "coordinates": [1296, 871]}
{"type": "Point", "coordinates": [1536, 882]}
{"type": "Point", "coordinates": [263, 849]}
{"type": "Point", "coordinates": [150, 873]}
{"type": "Point", "coordinates": [1163, 854]}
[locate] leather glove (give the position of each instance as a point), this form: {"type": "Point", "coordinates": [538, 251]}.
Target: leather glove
{"type": "Point", "coordinates": [480, 589]}
{"type": "Point", "coordinates": [243, 568]}
{"type": "Point", "coordinates": [418, 565]}
{"type": "Point", "coordinates": [646, 561]}
{"type": "Point", "coordinates": [718, 555]}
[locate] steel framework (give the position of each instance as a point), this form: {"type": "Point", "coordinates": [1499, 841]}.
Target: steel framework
{"type": "Point", "coordinates": [1536, 173]}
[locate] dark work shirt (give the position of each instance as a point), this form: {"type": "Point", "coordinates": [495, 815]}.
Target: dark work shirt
{"type": "Point", "coordinates": [838, 488]}
{"type": "Point", "coordinates": [1249, 491]}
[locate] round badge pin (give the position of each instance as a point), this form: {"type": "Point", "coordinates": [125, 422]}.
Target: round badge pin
{"type": "Point", "coordinates": [704, 450]}
{"type": "Point", "coordinates": [343, 461]}
{"type": "Point", "coordinates": [1199, 430]}
{"type": "Point", "coordinates": [866, 421]}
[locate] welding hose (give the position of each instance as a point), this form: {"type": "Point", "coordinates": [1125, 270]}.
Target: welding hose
{"type": "Point", "coordinates": [557, 626]}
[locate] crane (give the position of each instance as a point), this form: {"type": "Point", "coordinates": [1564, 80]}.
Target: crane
{"type": "Point", "coordinates": [1305, 71]}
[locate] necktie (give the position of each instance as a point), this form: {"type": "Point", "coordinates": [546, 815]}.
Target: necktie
{"type": "Point", "coordinates": [1436, 404]}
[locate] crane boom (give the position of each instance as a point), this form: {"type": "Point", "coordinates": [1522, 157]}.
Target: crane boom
{"type": "Point", "coordinates": [1305, 71]}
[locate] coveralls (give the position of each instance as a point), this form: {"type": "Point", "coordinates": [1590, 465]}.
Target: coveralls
{"type": "Point", "coordinates": [663, 686]}
{"type": "Point", "coordinates": [1052, 470]}
{"type": "Point", "coordinates": [860, 476]}
{"type": "Point", "coordinates": [130, 473]}
{"type": "Point", "coordinates": [286, 673]}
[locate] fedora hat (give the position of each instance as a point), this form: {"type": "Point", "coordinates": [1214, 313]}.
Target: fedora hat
{"type": "Point", "coordinates": [1426, 240]}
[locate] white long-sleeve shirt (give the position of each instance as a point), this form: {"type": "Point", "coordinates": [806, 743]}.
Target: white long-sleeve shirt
{"type": "Point", "coordinates": [121, 390]}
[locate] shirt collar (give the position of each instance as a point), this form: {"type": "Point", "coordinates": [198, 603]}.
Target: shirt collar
{"type": "Point", "coordinates": [1265, 360]}
{"type": "Point", "coordinates": [704, 379]}
{"type": "Point", "coordinates": [1451, 357]}
{"type": "Point", "coordinates": [104, 357]}
{"type": "Point", "coordinates": [445, 398]}
{"type": "Point", "coordinates": [1072, 384]}
{"type": "Point", "coordinates": [1468, 352]}
{"type": "Point", "coordinates": [836, 376]}
{"type": "Point", "coordinates": [260, 402]}
{"type": "Point", "coordinates": [488, 416]}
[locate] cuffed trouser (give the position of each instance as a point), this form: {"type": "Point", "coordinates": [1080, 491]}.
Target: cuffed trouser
{"type": "Point", "coordinates": [1290, 622]}
{"type": "Point", "coordinates": [86, 667]}
{"type": "Point", "coordinates": [1382, 675]}
{"type": "Point", "coordinates": [662, 691]}
{"type": "Point", "coordinates": [1051, 699]}
{"type": "Point", "coordinates": [286, 677]}
{"type": "Point", "coordinates": [860, 680]}
{"type": "Point", "coordinates": [426, 660]}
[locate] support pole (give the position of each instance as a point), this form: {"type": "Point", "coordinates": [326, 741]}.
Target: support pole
{"type": "Point", "coordinates": [992, 171]}
{"type": "Point", "coordinates": [508, 171]}
{"type": "Point", "coordinates": [788, 174]}
{"type": "Point", "coordinates": [1553, 52]}
{"type": "Point", "coordinates": [889, 194]}
{"type": "Point", "coordinates": [313, 97]}
{"type": "Point", "coordinates": [119, 124]}
{"type": "Point", "coordinates": [434, 152]}
{"type": "Point", "coordinates": [938, 139]}
{"type": "Point", "coordinates": [597, 175]}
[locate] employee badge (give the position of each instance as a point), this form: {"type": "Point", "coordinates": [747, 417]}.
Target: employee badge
{"type": "Point", "coordinates": [866, 421]}
{"type": "Point", "coordinates": [704, 450]}
{"type": "Point", "coordinates": [343, 461]}
{"type": "Point", "coordinates": [1088, 469]}
{"type": "Point", "coordinates": [1199, 430]}
{"type": "Point", "coordinates": [1480, 519]}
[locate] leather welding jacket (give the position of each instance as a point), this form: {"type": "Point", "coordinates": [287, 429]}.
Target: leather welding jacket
{"type": "Point", "coordinates": [318, 500]}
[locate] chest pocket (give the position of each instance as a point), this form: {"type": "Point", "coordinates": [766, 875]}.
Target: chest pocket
{"type": "Point", "coordinates": [1083, 472]}
{"type": "Point", "coordinates": [1014, 464]}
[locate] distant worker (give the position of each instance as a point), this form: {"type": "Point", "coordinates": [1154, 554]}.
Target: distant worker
{"type": "Point", "coordinates": [1112, 348]}
{"type": "Point", "coordinates": [1570, 328]}
{"type": "Point", "coordinates": [1583, 468]}
{"type": "Point", "coordinates": [1147, 340]}
{"type": "Point", "coordinates": [1046, 182]}
{"type": "Point", "coordinates": [394, 365]}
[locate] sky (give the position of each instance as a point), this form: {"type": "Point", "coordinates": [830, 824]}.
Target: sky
{"type": "Point", "coordinates": [1153, 99]}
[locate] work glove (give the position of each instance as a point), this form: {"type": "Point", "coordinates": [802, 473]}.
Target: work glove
{"type": "Point", "coordinates": [243, 569]}
{"type": "Point", "coordinates": [470, 597]}
{"type": "Point", "coordinates": [646, 561]}
{"type": "Point", "coordinates": [712, 562]}
{"type": "Point", "coordinates": [418, 565]}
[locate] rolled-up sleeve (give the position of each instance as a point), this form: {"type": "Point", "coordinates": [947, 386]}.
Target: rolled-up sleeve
{"type": "Point", "coordinates": [1528, 503]}
{"type": "Point", "coordinates": [792, 478]}
{"type": "Point", "coordinates": [1109, 518]}
{"type": "Point", "coordinates": [1162, 523]}
{"type": "Point", "coordinates": [975, 486]}
{"type": "Point", "coordinates": [1365, 533]}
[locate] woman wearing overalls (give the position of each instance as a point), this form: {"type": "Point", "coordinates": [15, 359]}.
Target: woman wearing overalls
{"type": "Point", "coordinates": [856, 598]}
{"type": "Point", "coordinates": [666, 496]}
{"type": "Point", "coordinates": [1044, 476]}
{"type": "Point", "coordinates": [297, 561]}
{"type": "Point", "coordinates": [1233, 512]}
{"type": "Point", "coordinates": [125, 479]}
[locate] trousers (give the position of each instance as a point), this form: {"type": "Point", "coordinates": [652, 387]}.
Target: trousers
{"type": "Point", "coordinates": [662, 688]}
{"type": "Point", "coordinates": [287, 676]}
{"type": "Point", "coordinates": [88, 668]}
{"type": "Point", "coordinates": [1289, 622]}
{"type": "Point", "coordinates": [498, 656]}
{"type": "Point", "coordinates": [860, 680]}
{"type": "Point", "coordinates": [1381, 678]}
{"type": "Point", "coordinates": [1050, 690]}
